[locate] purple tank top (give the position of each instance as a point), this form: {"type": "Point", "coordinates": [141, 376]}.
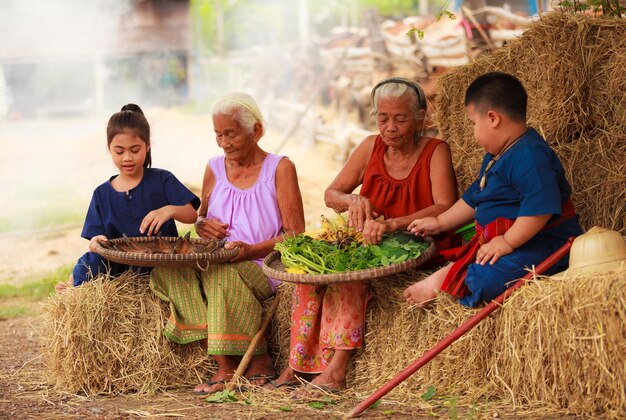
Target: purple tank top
{"type": "Point", "coordinates": [252, 214]}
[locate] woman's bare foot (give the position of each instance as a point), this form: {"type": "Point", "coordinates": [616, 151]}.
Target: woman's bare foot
{"type": "Point", "coordinates": [261, 370]}
{"type": "Point", "coordinates": [287, 377]}
{"type": "Point", "coordinates": [331, 380]}
{"type": "Point", "coordinates": [423, 292]}
{"type": "Point", "coordinates": [225, 371]}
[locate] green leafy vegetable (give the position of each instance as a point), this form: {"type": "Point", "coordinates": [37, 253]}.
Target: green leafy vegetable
{"type": "Point", "coordinates": [322, 257]}
{"type": "Point", "coordinates": [317, 404]}
{"type": "Point", "coordinates": [222, 397]}
{"type": "Point", "coordinates": [429, 394]}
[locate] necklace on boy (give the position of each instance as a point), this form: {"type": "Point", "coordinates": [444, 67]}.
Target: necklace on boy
{"type": "Point", "coordinates": [494, 159]}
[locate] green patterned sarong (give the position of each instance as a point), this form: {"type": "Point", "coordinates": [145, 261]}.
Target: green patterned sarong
{"type": "Point", "coordinates": [221, 304]}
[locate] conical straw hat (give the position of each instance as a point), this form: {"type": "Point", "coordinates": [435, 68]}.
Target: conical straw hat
{"type": "Point", "coordinates": [597, 250]}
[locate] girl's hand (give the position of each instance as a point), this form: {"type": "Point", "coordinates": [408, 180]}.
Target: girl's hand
{"type": "Point", "coordinates": [244, 250]}
{"type": "Point", "coordinates": [493, 250]}
{"type": "Point", "coordinates": [211, 228]}
{"type": "Point", "coordinates": [155, 219]}
{"type": "Point", "coordinates": [360, 210]}
{"type": "Point", "coordinates": [428, 226]}
{"type": "Point", "coordinates": [373, 231]}
{"type": "Point", "coordinates": [94, 241]}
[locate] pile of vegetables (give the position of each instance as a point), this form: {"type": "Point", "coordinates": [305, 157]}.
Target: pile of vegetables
{"type": "Point", "coordinates": [303, 254]}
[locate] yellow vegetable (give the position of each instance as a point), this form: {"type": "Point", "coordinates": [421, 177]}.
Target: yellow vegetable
{"type": "Point", "coordinates": [295, 270]}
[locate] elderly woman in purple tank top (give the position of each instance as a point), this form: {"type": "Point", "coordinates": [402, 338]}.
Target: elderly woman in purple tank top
{"type": "Point", "coordinates": [251, 198]}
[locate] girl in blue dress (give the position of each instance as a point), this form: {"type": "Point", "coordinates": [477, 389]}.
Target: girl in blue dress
{"type": "Point", "coordinates": [139, 201]}
{"type": "Point", "coordinates": [520, 201]}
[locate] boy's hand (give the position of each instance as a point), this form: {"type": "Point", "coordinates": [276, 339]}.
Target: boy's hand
{"type": "Point", "coordinates": [211, 228]}
{"type": "Point", "coordinates": [493, 250]}
{"type": "Point", "coordinates": [155, 219]}
{"type": "Point", "coordinates": [428, 226]}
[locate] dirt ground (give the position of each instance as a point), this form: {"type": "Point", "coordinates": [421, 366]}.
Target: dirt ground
{"type": "Point", "coordinates": [75, 158]}
{"type": "Point", "coordinates": [25, 394]}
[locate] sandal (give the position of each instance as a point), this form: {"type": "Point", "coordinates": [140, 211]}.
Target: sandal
{"type": "Point", "coordinates": [312, 392]}
{"type": "Point", "coordinates": [260, 377]}
{"type": "Point", "coordinates": [290, 385]}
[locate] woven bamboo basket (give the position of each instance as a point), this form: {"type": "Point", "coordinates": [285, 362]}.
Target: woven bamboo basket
{"type": "Point", "coordinates": [274, 268]}
{"type": "Point", "coordinates": [201, 260]}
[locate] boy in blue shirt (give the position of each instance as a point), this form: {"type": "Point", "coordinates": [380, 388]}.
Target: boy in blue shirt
{"type": "Point", "coordinates": [520, 201]}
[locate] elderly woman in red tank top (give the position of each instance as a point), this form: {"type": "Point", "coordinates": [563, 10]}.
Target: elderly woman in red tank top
{"type": "Point", "coordinates": [403, 176]}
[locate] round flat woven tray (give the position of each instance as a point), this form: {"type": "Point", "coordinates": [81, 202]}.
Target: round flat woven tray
{"type": "Point", "coordinates": [201, 260]}
{"type": "Point", "coordinates": [274, 268]}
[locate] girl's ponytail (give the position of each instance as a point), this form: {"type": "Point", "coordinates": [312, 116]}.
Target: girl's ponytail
{"type": "Point", "coordinates": [131, 117]}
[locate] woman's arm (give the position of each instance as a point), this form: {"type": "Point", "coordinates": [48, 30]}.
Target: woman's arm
{"type": "Point", "coordinates": [338, 195]}
{"type": "Point", "coordinates": [208, 182]}
{"type": "Point", "coordinates": [209, 228]}
{"type": "Point", "coordinates": [289, 200]}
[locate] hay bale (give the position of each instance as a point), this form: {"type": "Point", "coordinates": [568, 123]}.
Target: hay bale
{"type": "Point", "coordinates": [398, 334]}
{"type": "Point", "coordinates": [105, 337]}
{"type": "Point", "coordinates": [572, 67]}
{"type": "Point", "coordinates": [555, 347]}
{"type": "Point", "coordinates": [596, 169]}
{"type": "Point", "coordinates": [561, 344]}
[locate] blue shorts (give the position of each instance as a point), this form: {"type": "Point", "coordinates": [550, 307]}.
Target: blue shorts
{"type": "Point", "coordinates": [91, 264]}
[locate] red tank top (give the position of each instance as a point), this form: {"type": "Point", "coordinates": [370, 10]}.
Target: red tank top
{"type": "Point", "coordinates": [398, 197]}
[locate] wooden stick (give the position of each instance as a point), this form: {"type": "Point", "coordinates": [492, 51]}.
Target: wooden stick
{"type": "Point", "coordinates": [245, 360]}
{"type": "Point", "coordinates": [468, 13]}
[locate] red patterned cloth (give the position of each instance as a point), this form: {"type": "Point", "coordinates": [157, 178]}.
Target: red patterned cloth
{"type": "Point", "coordinates": [454, 283]}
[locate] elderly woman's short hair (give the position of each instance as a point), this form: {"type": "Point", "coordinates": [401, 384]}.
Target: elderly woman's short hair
{"type": "Point", "coordinates": [395, 87]}
{"type": "Point", "coordinates": [243, 109]}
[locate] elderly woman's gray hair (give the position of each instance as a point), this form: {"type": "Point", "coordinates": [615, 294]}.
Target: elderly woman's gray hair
{"type": "Point", "coordinates": [395, 87]}
{"type": "Point", "coordinates": [243, 109]}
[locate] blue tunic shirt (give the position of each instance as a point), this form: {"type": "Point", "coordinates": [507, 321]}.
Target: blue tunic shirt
{"type": "Point", "coordinates": [112, 213]}
{"type": "Point", "coordinates": [527, 180]}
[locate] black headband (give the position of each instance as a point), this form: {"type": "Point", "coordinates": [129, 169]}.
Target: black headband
{"type": "Point", "coordinates": [421, 97]}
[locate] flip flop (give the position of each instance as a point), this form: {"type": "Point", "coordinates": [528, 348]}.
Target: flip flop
{"type": "Point", "coordinates": [210, 383]}
{"type": "Point", "coordinates": [261, 376]}
{"type": "Point", "coordinates": [291, 385]}
{"type": "Point", "coordinates": [314, 392]}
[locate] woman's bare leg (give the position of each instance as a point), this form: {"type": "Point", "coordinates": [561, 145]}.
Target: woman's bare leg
{"type": "Point", "coordinates": [423, 292]}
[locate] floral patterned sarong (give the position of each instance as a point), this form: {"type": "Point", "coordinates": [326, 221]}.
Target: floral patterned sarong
{"type": "Point", "coordinates": [325, 319]}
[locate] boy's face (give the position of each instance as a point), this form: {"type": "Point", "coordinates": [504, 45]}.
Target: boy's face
{"type": "Point", "coordinates": [484, 125]}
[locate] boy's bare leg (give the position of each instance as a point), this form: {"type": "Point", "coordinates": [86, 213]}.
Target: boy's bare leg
{"type": "Point", "coordinates": [425, 291]}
